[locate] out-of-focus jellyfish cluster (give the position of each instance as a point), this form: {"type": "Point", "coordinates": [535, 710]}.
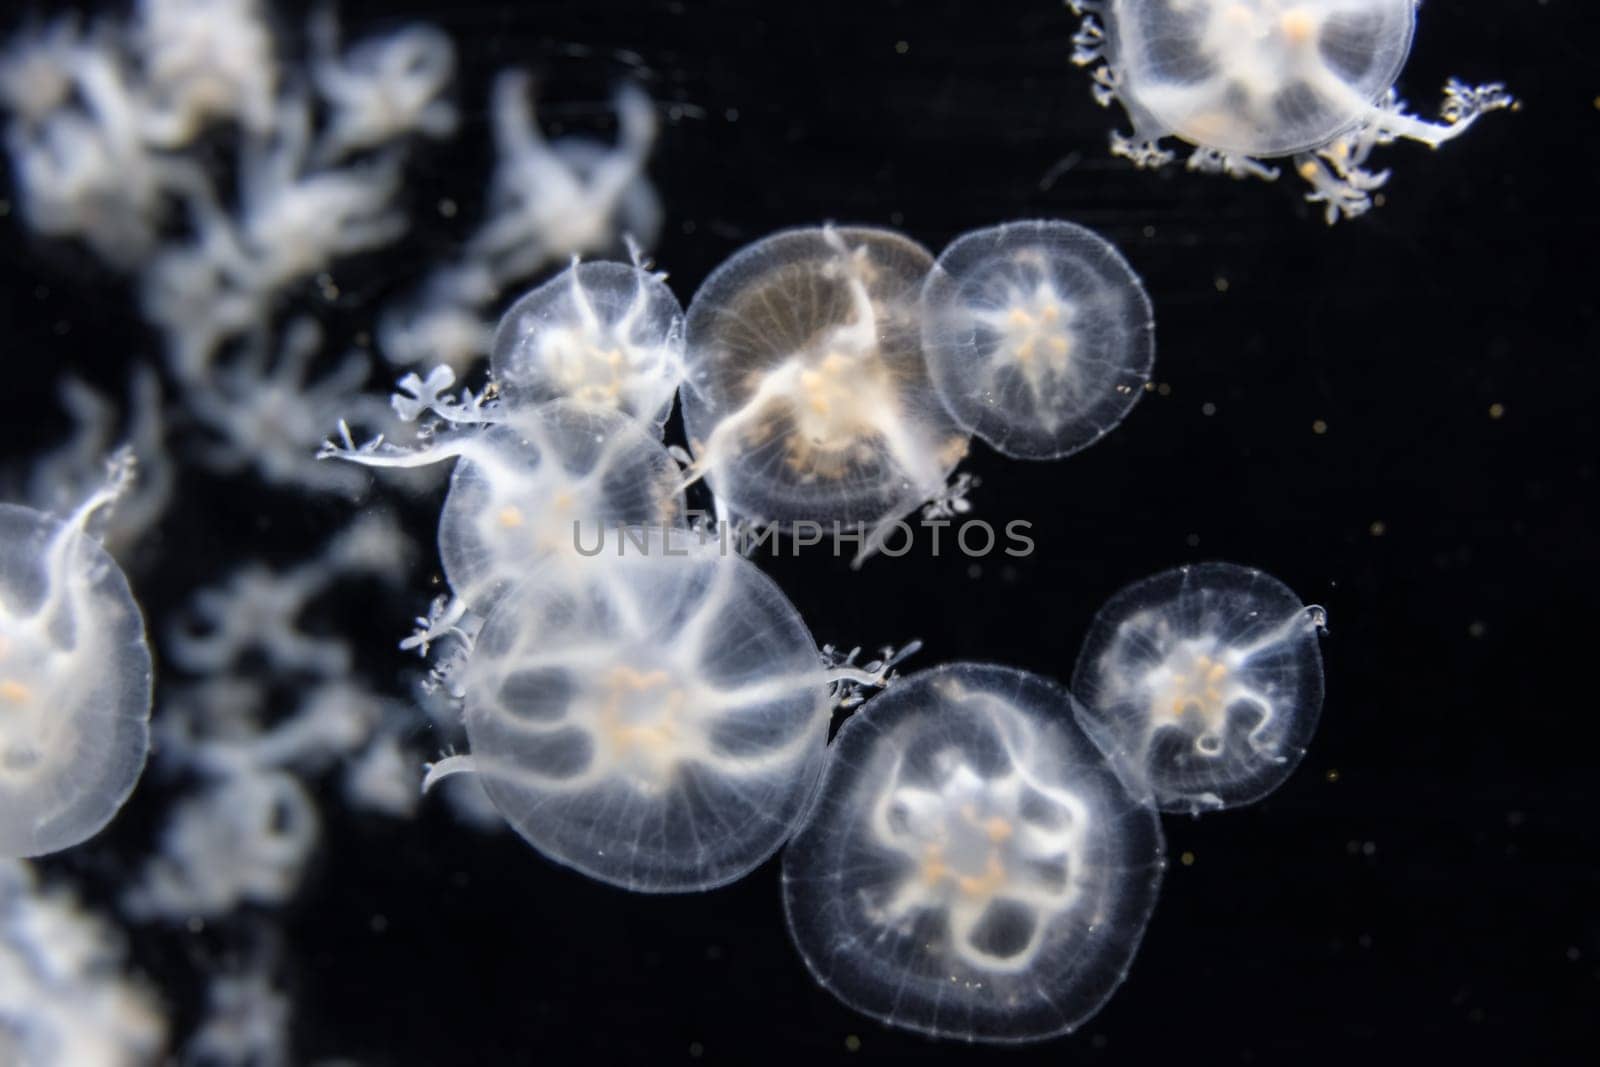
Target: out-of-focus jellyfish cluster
{"type": "Point", "coordinates": [1239, 81]}
{"type": "Point", "coordinates": [181, 147]}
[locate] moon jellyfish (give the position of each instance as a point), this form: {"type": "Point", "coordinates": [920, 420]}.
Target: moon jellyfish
{"type": "Point", "coordinates": [1038, 336]}
{"type": "Point", "coordinates": [972, 867]}
{"type": "Point", "coordinates": [1203, 684]}
{"type": "Point", "coordinates": [605, 334]}
{"type": "Point", "coordinates": [1239, 80]}
{"type": "Point", "coordinates": [807, 397]}
{"type": "Point", "coordinates": [654, 716]}
{"type": "Point", "coordinates": [74, 678]}
{"type": "Point", "coordinates": [531, 484]}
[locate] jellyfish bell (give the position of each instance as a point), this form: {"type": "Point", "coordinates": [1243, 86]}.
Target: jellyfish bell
{"type": "Point", "coordinates": [544, 483]}
{"type": "Point", "coordinates": [603, 334]}
{"type": "Point", "coordinates": [532, 483]}
{"type": "Point", "coordinates": [653, 715]}
{"type": "Point", "coordinates": [1039, 336]}
{"type": "Point", "coordinates": [1203, 684]}
{"type": "Point", "coordinates": [1243, 80]}
{"type": "Point", "coordinates": [972, 867]}
{"type": "Point", "coordinates": [75, 679]}
{"type": "Point", "coordinates": [807, 397]}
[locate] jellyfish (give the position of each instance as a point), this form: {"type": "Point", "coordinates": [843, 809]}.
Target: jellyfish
{"type": "Point", "coordinates": [972, 867]}
{"type": "Point", "coordinates": [1203, 684]}
{"type": "Point", "coordinates": [807, 397]}
{"type": "Point", "coordinates": [75, 682]}
{"type": "Point", "coordinates": [67, 994]}
{"type": "Point", "coordinates": [1244, 80]}
{"type": "Point", "coordinates": [530, 483]}
{"type": "Point", "coordinates": [654, 717]}
{"type": "Point", "coordinates": [608, 335]}
{"type": "Point", "coordinates": [1038, 336]}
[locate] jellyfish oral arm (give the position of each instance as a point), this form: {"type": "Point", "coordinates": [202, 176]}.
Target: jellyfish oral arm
{"type": "Point", "coordinates": [969, 846]}
{"type": "Point", "coordinates": [1336, 172]}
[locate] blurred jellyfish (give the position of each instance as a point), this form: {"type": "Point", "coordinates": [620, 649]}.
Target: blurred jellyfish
{"type": "Point", "coordinates": [1038, 336]}
{"type": "Point", "coordinates": [75, 680]}
{"type": "Point", "coordinates": [972, 868]}
{"type": "Point", "coordinates": [807, 397]}
{"type": "Point", "coordinates": [550, 201]}
{"type": "Point", "coordinates": [1246, 79]}
{"type": "Point", "coordinates": [1203, 684]}
{"type": "Point", "coordinates": [606, 335]}
{"type": "Point", "coordinates": [384, 88]}
{"type": "Point", "coordinates": [654, 714]}
{"type": "Point", "coordinates": [244, 838]}
{"type": "Point", "coordinates": [65, 1000]}
{"type": "Point", "coordinates": [204, 60]}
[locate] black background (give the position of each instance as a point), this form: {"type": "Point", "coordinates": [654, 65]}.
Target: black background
{"type": "Point", "coordinates": [1426, 882]}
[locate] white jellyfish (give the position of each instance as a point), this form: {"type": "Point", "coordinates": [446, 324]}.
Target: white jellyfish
{"type": "Point", "coordinates": [529, 484]}
{"type": "Point", "coordinates": [1203, 684]}
{"type": "Point", "coordinates": [654, 716]}
{"type": "Point", "coordinates": [75, 682]}
{"type": "Point", "coordinates": [66, 997]}
{"type": "Point", "coordinates": [807, 397]}
{"type": "Point", "coordinates": [1038, 336]}
{"type": "Point", "coordinates": [972, 866]}
{"type": "Point", "coordinates": [1242, 80]}
{"type": "Point", "coordinates": [604, 334]}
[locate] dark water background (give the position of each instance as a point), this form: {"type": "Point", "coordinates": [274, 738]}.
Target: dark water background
{"type": "Point", "coordinates": [1425, 884]}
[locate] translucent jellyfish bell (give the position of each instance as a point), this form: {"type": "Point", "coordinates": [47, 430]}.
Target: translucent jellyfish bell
{"type": "Point", "coordinates": [534, 484]}
{"type": "Point", "coordinates": [75, 680]}
{"type": "Point", "coordinates": [1203, 683]}
{"type": "Point", "coordinates": [1038, 335]}
{"type": "Point", "coordinates": [1239, 79]}
{"type": "Point", "coordinates": [807, 397]}
{"type": "Point", "coordinates": [654, 716]}
{"type": "Point", "coordinates": [604, 334]}
{"type": "Point", "coordinates": [972, 867]}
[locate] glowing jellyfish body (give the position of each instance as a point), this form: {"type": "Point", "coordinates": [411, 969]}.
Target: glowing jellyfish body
{"type": "Point", "coordinates": [1203, 684]}
{"type": "Point", "coordinates": [1247, 79]}
{"type": "Point", "coordinates": [654, 716]}
{"type": "Point", "coordinates": [972, 867]}
{"type": "Point", "coordinates": [807, 397]}
{"type": "Point", "coordinates": [533, 484]}
{"type": "Point", "coordinates": [75, 682]}
{"type": "Point", "coordinates": [606, 335]}
{"type": "Point", "coordinates": [1038, 335]}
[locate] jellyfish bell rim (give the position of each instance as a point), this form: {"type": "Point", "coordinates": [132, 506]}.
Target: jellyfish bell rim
{"type": "Point", "coordinates": [1147, 878]}
{"type": "Point", "coordinates": [1129, 283]}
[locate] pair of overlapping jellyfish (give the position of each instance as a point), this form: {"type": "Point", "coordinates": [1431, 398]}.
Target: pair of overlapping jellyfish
{"type": "Point", "coordinates": [984, 851]}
